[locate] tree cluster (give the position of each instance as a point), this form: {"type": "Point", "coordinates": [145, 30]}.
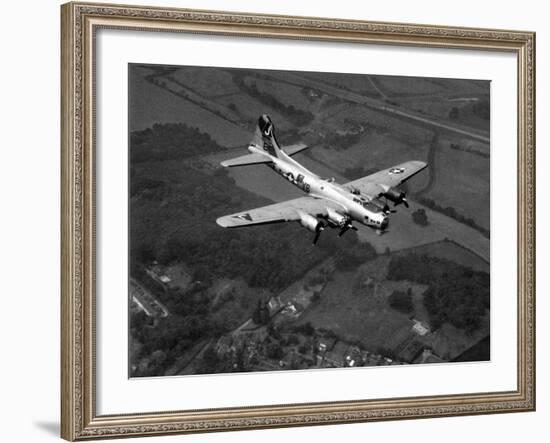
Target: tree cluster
{"type": "Point", "coordinates": [342, 141]}
{"type": "Point", "coordinates": [401, 301]}
{"type": "Point", "coordinates": [169, 141]}
{"type": "Point", "coordinates": [419, 217]}
{"type": "Point", "coordinates": [454, 113]}
{"type": "Point", "coordinates": [449, 211]}
{"type": "Point", "coordinates": [482, 109]}
{"type": "Point", "coordinates": [456, 294]}
{"type": "Point", "coordinates": [298, 116]}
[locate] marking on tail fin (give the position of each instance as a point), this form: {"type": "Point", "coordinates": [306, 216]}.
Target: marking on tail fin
{"type": "Point", "coordinates": [267, 134]}
{"type": "Point", "coordinates": [269, 148]}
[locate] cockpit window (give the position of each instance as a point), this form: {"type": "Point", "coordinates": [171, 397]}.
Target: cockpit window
{"type": "Point", "coordinates": [370, 206]}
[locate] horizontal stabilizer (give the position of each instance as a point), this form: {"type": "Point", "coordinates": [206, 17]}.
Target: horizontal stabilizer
{"type": "Point", "coordinates": [294, 149]}
{"type": "Point", "coordinates": [248, 159]}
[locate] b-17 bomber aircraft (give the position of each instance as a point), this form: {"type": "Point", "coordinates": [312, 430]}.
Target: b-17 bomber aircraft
{"type": "Point", "coordinates": [327, 203]}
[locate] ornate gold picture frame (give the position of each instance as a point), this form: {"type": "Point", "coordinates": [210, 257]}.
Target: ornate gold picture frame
{"type": "Point", "coordinates": [79, 417]}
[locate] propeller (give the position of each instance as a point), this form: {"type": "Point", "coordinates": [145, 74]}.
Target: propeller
{"type": "Point", "coordinates": [346, 228]}
{"type": "Point", "coordinates": [397, 197]}
{"type": "Point", "coordinates": [320, 229]}
{"type": "Point", "coordinates": [402, 199]}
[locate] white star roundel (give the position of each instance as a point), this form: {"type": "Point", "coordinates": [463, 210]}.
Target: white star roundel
{"type": "Point", "coordinates": [396, 171]}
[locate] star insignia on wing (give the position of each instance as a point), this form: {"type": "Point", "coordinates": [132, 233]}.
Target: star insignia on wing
{"type": "Point", "coordinates": [396, 171]}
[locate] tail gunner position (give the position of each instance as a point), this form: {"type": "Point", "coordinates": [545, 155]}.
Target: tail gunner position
{"type": "Point", "coordinates": [326, 203]}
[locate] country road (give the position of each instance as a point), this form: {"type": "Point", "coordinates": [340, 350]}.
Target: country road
{"type": "Point", "coordinates": [431, 161]}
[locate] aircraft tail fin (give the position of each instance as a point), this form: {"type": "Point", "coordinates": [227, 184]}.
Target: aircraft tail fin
{"type": "Point", "coordinates": [264, 137]}
{"type": "Point", "coordinates": [265, 141]}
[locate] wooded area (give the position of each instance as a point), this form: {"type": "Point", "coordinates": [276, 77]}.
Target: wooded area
{"type": "Point", "coordinates": [456, 294]}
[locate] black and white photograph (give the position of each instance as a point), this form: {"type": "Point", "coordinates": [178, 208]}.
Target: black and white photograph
{"type": "Point", "coordinates": [290, 220]}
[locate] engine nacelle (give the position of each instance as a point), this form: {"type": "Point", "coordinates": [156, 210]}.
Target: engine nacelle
{"type": "Point", "coordinates": [310, 222]}
{"type": "Point", "coordinates": [395, 195]}
{"type": "Point", "coordinates": [336, 219]}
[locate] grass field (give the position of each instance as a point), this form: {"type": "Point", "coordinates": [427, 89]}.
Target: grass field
{"type": "Point", "coordinates": [286, 93]}
{"type": "Point", "coordinates": [450, 251]}
{"type": "Point", "coordinates": [217, 82]}
{"type": "Point", "coordinates": [462, 181]}
{"type": "Point", "coordinates": [402, 86]}
{"type": "Point", "coordinates": [359, 313]}
{"type": "Point", "coordinates": [357, 83]}
{"type": "Point", "coordinates": [160, 106]}
{"type": "Point", "coordinates": [250, 109]}
{"type": "Point", "coordinates": [440, 108]}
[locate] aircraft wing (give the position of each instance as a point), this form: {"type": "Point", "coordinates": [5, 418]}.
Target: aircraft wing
{"type": "Point", "coordinates": [380, 181]}
{"type": "Point", "coordinates": [289, 210]}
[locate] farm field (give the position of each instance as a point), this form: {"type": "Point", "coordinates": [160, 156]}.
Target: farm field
{"type": "Point", "coordinates": [218, 83]}
{"type": "Point", "coordinates": [397, 86]}
{"type": "Point", "coordinates": [159, 106]}
{"type": "Point", "coordinates": [357, 83]}
{"type": "Point", "coordinates": [450, 250]}
{"type": "Point", "coordinates": [467, 193]}
{"type": "Point", "coordinates": [366, 318]}
{"type": "Point", "coordinates": [286, 93]}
